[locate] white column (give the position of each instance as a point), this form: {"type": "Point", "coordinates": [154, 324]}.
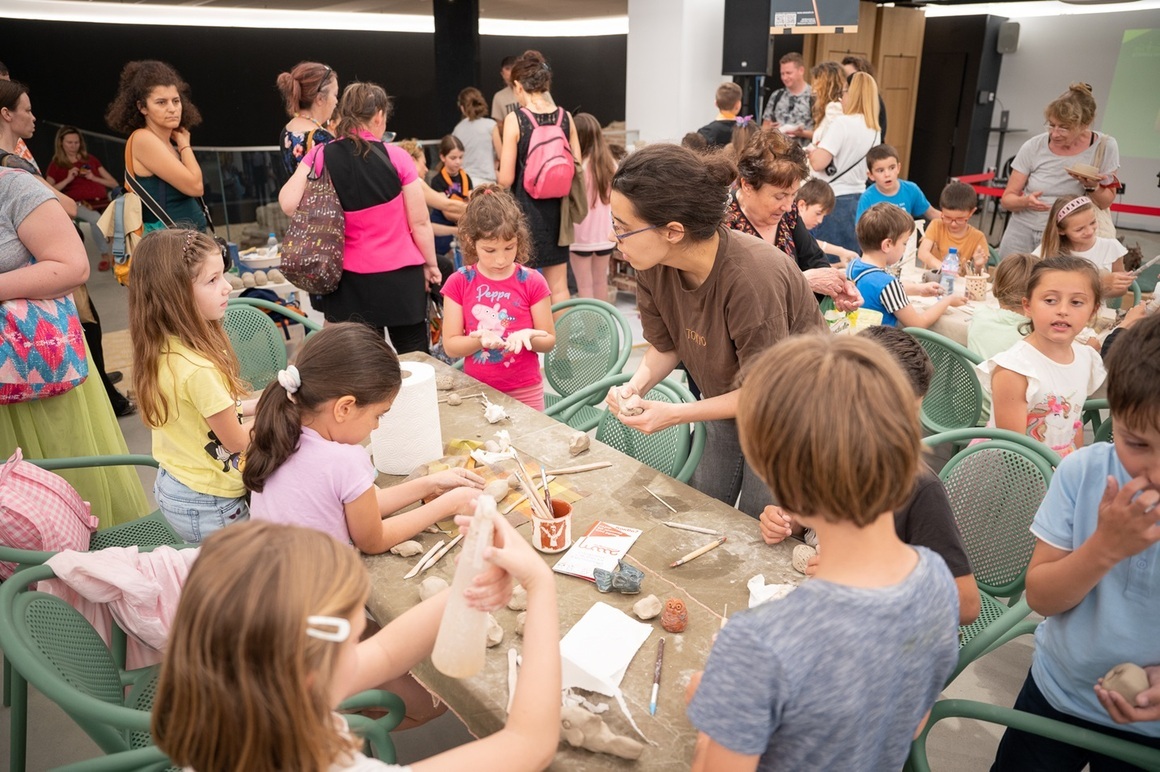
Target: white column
{"type": "Point", "coordinates": [674, 66]}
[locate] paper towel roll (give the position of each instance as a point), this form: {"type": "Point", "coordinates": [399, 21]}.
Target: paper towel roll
{"type": "Point", "coordinates": [410, 434]}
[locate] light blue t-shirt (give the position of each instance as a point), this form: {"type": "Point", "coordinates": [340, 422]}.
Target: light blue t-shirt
{"type": "Point", "coordinates": [909, 199]}
{"type": "Point", "coordinates": [831, 676]}
{"type": "Point", "coordinates": [880, 291]}
{"type": "Point", "coordinates": [1119, 620]}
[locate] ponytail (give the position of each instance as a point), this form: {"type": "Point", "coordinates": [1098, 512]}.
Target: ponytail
{"type": "Point", "coordinates": [277, 427]}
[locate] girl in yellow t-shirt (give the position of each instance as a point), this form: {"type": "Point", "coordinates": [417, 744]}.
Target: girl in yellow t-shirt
{"type": "Point", "coordinates": [187, 380]}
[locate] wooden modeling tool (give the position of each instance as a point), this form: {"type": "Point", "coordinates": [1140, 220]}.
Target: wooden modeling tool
{"type": "Point", "coordinates": [419, 566]}
{"type": "Point", "coordinates": [658, 498]}
{"type": "Point", "coordinates": [439, 555]}
{"type": "Point", "coordinates": [581, 468]}
{"type": "Point", "coordinates": [698, 552]}
{"type": "Point", "coordinates": [693, 528]}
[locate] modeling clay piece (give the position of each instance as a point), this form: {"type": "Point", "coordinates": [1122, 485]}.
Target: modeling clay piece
{"type": "Point", "coordinates": [578, 443]}
{"type": "Point", "coordinates": [583, 729]}
{"type": "Point", "coordinates": [494, 631]}
{"type": "Point", "coordinates": [247, 279]}
{"type": "Point", "coordinates": [275, 276]}
{"type": "Point", "coordinates": [431, 586]}
{"type": "Point", "coordinates": [521, 620]}
{"type": "Point", "coordinates": [407, 549]}
{"type": "Point", "coordinates": [621, 400]}
{"type": "Point", "coordinates": [625, 579]}
{"type": "Point", "coordinates": [497, 489]}
{"type": "Point", "coordinates": [1127, 680]}
{"type": "Point", "coordinates": [647, 608]}
{"type": "Point", "coordinates": [519, 599]}
{"type": "Point", "coordinates": [444, 383]}
{"type": "Point", "coordinates": [675, 617]}
{"type": "Point", "coordinates": [454, 400]}
{"type": "Point", "coordinates": [492, 412]}
{"type": "Point", "coordinates": [801, 557]}
{"type": "Point", "coordinates": [260, 278]}
{"type": "Point", "coordinates": [235, 280]}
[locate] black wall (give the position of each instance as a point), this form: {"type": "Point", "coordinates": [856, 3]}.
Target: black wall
{"type": "Point", "coordinates": [72, 70]}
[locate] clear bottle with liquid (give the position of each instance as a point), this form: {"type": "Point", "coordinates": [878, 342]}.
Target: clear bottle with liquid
{"type": "Point", "coordinates": [949, 271]}
{"type": "Point", "coordinates": [461, 644]}
{"type": "Point", "coordinates": [272, 245]}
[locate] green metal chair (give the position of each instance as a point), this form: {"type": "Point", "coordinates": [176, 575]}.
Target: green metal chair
{"type": "Point", "coordinates": [257, 340]}
{"type": "Point", "coordinates": [1117, 302]}
{"type": "Point", "coordinates": [1124, 750]}
{"type": "Point", "coordinates": [150, 759]}
{"type": "Point", "coordinates": [955, 397]}
{"type": "Point", "coordinates": [675, 451]}
{"type": "Point", "coordinates": [593, 341]}
{"type": "Point", "coordinates": [995, 489]}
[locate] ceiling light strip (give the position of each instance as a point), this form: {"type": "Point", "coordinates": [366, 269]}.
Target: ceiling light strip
{"type": "Point", "coordinates": [1038, 8]}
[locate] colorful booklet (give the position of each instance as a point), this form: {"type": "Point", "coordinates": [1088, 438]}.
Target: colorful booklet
{"type": "Point", "coordinates": [601, 547]}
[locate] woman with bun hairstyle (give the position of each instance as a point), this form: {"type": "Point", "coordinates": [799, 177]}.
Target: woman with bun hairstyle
{"type": "Point", "coordinates": [708, 296]}
{"type": "Point", "coordinates": [310, 92]}
{"type": "Point", "coordinates": [531, 79]}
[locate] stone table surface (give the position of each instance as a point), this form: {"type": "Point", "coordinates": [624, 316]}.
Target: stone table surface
{"type": "Point", "coordinates": [617, 495]}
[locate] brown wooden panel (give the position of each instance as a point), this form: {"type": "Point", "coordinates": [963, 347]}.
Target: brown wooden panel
{"type": "Point", "coordinates": [861, 43]}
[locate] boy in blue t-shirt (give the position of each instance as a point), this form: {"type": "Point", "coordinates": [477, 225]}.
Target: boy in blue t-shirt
{"type": "Point", "coordinates": [883, 231]}
{"type": "Point", "coordinates": [1095, 575]}
{"type": "Point", "coordinates": [841, 673]}
{"type": "Point", "coordinates": [883, 167]}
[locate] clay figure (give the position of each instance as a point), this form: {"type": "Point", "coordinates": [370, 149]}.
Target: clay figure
{"type": "Point", "coordinates": [801, 557]}
{"type": "Point", "coordinates": [407, 549]}
{"type": "Point", "coordinates": [647, 608]}
{"type": "Point", "coordinates": [621, 400]}
{"type": "Point", "coordinates": [454, 400]}
{"type": "Point", "coordinates": [675, 617]}
{"type": "Point", "coordinates": [444, 382]}
{"type": "Point", "coordinates": [431, 586]}
{"type": "Point", "coordinates": [521, 620]}
{"type": "Point", "coordinates": [583, 729]}
{"type": "Point", "coordinates": [578, 443]}
{"type": "Point", "coordinates": [625, 579]}
{"type": "Point", "coordinates": [494, 631]}
{"type": "Point", "coordinates": [497, 489]}
{"type": "Point", "coordinates": [1128, 680]}
{"type": "Point", "coordinates": [519, 598]}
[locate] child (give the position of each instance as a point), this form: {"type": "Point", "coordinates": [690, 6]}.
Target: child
{"type": "Point", "coordinates": [882, 233]}
{"type": "Point", "coordinates": [306, 464]}
{"type": "Point", "coordinates": [591, 248]}
{"type": "Point", "coordinates": [187, 380]}
{"type": "Point", "coordinates": [719, 132]}
{"type": "Point", "coordinates": [265, 645]}
{"type": "Point", "coordinates": [994, 330]}
{"type": "Point", "coordinates": [1039, 385]}
{"type": "Point", "coordinates": [882, 164]}
{"type": "Point", "coordinates": [814, 200]}
{"type": "Point", "coordinates": [1094, 575]}
{"type": "Point", "coordinates": [1071, 230]}
{"type": "Point", "coordinates": [926, 519]}
{"type": "Point", "coordinates": [824, 697]}
{"type": "Point", "coordinates": [451, 181]}
{"type": "Point", "coordinates": [953, 229]}
{"type": "Point", "coordinates": [496, 313]}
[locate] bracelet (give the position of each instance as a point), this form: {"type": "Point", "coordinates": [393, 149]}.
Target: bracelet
{"type": "Point", "coordinates": [187, 147]}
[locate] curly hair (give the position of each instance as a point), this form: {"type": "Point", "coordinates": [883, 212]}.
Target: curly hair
{"type": "Point", "coordinates": [492, 213]}
{"type": "Point", "coordinates": [828, 81]}
{"type": "Point", "coordinates": [1073, 109]}
{"type": "Point", "coordinates": [138, 79]}
{"type": "Point", "coordinates": [532, 72]}
{"type": "Point", "coordinates": [771, 159]}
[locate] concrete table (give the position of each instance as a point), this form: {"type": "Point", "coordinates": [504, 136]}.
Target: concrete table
{"type": "Point", "coordinates": [616, 494]}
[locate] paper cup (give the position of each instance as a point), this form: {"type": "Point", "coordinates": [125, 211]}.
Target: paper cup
{"type": "Point", "coordinates": [977, 287]}
{"type": "Point", "coordinates": [555, 535]}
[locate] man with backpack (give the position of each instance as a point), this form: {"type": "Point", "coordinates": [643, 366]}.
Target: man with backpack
{"type": "Point", "coordinates": [790, 108]}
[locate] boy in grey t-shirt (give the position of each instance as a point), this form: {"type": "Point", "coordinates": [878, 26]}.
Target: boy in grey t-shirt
{"type": "Point", "coordinates": [842, 672]}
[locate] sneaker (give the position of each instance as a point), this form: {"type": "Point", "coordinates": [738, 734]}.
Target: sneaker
{"type": "Point", "coordinates": [115, 376]}
{"type": "Point", "coordinates": [126, 408]}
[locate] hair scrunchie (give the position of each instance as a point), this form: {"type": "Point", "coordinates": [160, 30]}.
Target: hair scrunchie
{"type": "Point", "coordinates": [290, 380]}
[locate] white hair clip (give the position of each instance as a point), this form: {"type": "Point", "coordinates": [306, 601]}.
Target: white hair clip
{"type": "Point", "coordinates": [290, 380]}
{"type": "Point", "coordinates": [341, 627]}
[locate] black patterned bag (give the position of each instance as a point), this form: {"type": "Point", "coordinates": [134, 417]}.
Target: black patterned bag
{"type": "Point", "coordinates": [313, 244]}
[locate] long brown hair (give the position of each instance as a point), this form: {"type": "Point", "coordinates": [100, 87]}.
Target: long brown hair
{"type": "Point", "coordinates": [360, 101]}
{"type": "Point", "coordinates": [302, 85]}
{"type": "Point", "coordinates": [345, 359]}
{"type": "Point", "coordinates": [161, 305]}
{"type": "Point", "coordinates": [59, 157]}
{"type": "Point", "coordinates": [492, 213]}
{"type": "Point", "coordinates": [1061, 264]}
{"type": "Point", "coordinates": [594, 151]}
{"type": "Point", "coordinates": [1053, 241]}
{"type": "Point", "coordinates": [242, 686]}
{"type": "Point", "coordinates": [827, 81]}
{"type": "Point", "coordinates": [472, 103]}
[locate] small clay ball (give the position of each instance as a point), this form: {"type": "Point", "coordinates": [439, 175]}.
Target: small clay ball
{"type": "Point", "coordinates": [275, 276]}
{"type": "Point", "coordinates": [444, 382]}
{"type": "Point", "coordinates": [519, 599]}
{"type": "Point", "coordinates": [647, 608]}
{"type": "Point", "coordinates": [260, 278]}
{"type": "Point", "coordinates": [521, 619]}
{"type": "Point", "coordinates": [432, 586]}
{"type": "Point", "coordinates": [234, 280]}
{"type": "Point", "coordinates": [801, 557]}
{"type": "Point", "coordinates": [497, 489]}
{"type": "Point", "coordinates": [248, 279]}
{"type": "Point", "coordinates": [454, 399]}
{"type": "Point", "coordinates": [1128, 680]}
{"type": "Point", "coordinates": [494, 631]}
{"type": "Point", "coordinates": [407, 549]}
{"type": "Point", "coordinates": [578, 443]}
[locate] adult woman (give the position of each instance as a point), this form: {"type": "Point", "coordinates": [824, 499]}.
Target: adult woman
{"type": "Point", "coordinates": [310, 92]}
{"type": "Point", "coordinates": [838, 157]}
{"type": "Point", "coordinates": [389, 253]}
{"type": "Point", "coordinates": [33, 226]}
{"type": "Point", "coordinates": [828, 83]}
{"type": "Point", "coordinates": [80, 176]}
{"type": "Point", "coordinates": [771, 168]}
{"type": "Point", "coordinates": [708, 296]}
{"type": "Point", "coordinates": [476, 132]}
{"type": "Point", "coordinates": [531, 79]}
{"type": "Point", "coordinates": [1040, 172]}
{"type": "Point", "coordinates": [153, 108]}
{"type": "Point", "coordinates": [852, 64]}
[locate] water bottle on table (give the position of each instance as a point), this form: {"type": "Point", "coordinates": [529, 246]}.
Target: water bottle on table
{"type": "Point", "coordinates": [949, 271]}
{"type": "Point", "coordinates": [271, 245]}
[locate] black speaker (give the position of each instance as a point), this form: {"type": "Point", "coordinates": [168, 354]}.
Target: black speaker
{"type": "Point", "coordinates": [745, 49]}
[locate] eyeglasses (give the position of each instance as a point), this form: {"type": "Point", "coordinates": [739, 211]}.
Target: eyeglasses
{"type": "Point", "coordinates": [1055, 127]}
{"type": "Point", "coordinates": [955, 220]}
{"type": "Point", "coordinates": [622, 236]}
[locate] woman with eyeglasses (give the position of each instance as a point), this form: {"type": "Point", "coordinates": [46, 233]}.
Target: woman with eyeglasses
{"type": "Point", "coordinates": [1052, 164]}
{"type": "Point", "coordinates": [310, 91]}
{"type": "Point", "coordinates": [708, 296]}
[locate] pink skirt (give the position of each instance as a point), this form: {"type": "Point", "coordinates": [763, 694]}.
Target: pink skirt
{"type": "Point", "coordinates": [532, 396]}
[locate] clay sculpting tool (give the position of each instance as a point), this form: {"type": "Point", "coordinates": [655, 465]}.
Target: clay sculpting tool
{"type": "Point", "coordinates": [652, 703]}
{"type": "Point", "coordinates": [547, 492]}
{"type": "Point", "coordinates": [419, 566]}
{"type": "Point", "coordinates": [581, 468]}
{"type": "Point", "coordinates": [693, 528]}
{"type": "Point", "coordinates": [439, 555]}
{"type": "Point", "coordinates": [698, 552]}
{"type": "Point", "coordinates": [658, 498]}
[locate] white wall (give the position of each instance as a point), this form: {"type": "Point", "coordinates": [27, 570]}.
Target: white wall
{"type": "Point", "coordinates": [1053, 53]}
{"type": "Point", "coordinates": [674, 66]}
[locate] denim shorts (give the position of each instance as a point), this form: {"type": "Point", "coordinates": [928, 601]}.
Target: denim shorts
{"type": "Point", "coordinates": [196, 515]}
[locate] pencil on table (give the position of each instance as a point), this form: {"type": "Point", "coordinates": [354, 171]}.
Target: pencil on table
{"type": "Point", "coordinates": [698, 552]}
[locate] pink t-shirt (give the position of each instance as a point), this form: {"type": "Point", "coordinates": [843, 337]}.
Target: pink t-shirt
{"type": "Point", "coordinates": [313, 485]}
{"type": "Point", "coordinates": [378, 232]}
{"type": "Point", "coordinates": [502, 307]}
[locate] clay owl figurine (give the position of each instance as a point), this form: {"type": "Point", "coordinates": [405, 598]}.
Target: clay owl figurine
{"type": "Point", "coordinates": [675, 617]}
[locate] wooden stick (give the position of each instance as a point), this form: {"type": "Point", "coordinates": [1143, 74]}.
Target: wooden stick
{"type": "Point", "coordinates": [464, 396]}
{"type": "Point", "coordinates": [422, 560]}
{"type": "Point", "coordinates": [436, 557]}
{"type": "Point", "coordinates": [698, 552]}
{"type": "Point", "coordinates": [523, 497]}
{"type": "Point", "coordinates": [658, 498]}
{"type": "Point", "coordinates": [513, 659]}
{"type": "Point", "coordinates": [694, 528]}
{"type": "Point", "coordinates": [582, 468]}
{"type": "Point", "coordinates": [530, 487]}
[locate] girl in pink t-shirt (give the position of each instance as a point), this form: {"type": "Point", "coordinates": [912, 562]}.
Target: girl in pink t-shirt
{"type": "Point", "coordinates": [496, 313]}
{"type": "Point", "coordinates": [306, 465]}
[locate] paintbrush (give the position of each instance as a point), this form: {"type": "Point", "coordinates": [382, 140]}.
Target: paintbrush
{"type": "Point", "coordinates": [547, 493]}
{"type": "Point", "coordinates": [698, 552]}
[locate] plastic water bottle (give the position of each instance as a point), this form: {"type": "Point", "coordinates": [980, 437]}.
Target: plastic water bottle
{"type": "Point", "coordinates": [949, 271]}
{"type": "Point", "coordinates": [461, 643]}
{"type": "Point", "coordinates": [271, 245]}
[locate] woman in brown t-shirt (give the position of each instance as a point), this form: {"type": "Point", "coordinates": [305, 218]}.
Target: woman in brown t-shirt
{"type": "Point", "coordinates": [708, 296]}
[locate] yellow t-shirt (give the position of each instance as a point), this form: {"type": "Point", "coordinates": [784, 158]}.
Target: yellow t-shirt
{"type": "Point", "coordinates": [185, 446]}
{"type": "Point", "coordinates": [941, 242]}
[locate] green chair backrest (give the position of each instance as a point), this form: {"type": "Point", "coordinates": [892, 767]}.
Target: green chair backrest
{"type": "Point", "coordinates": [666, 450]}
{"type": "Point", "coordinates": [593, 341]}
{"type": "Point", "coordinates": [150, 759]}
{"type": "Point", "coordinates": [257, 342]}
{"type": "Point", "coordinates": [1104, 433]}
{"type": "Point", "coordinates": [289, 313]}
{"type": "Point", "coordinates": [955, 397]}
{"type": "Point", "coordinates": [1117, 302]}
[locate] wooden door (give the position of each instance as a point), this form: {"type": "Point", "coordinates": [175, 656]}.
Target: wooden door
{"type": "Point", "coordinates": [897, 53]}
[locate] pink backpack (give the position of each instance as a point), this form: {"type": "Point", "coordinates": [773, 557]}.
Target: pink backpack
{"type": "Point", "coordinates": [549, 167]}
{"type": "Point", "coordinates": [40, 511]}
